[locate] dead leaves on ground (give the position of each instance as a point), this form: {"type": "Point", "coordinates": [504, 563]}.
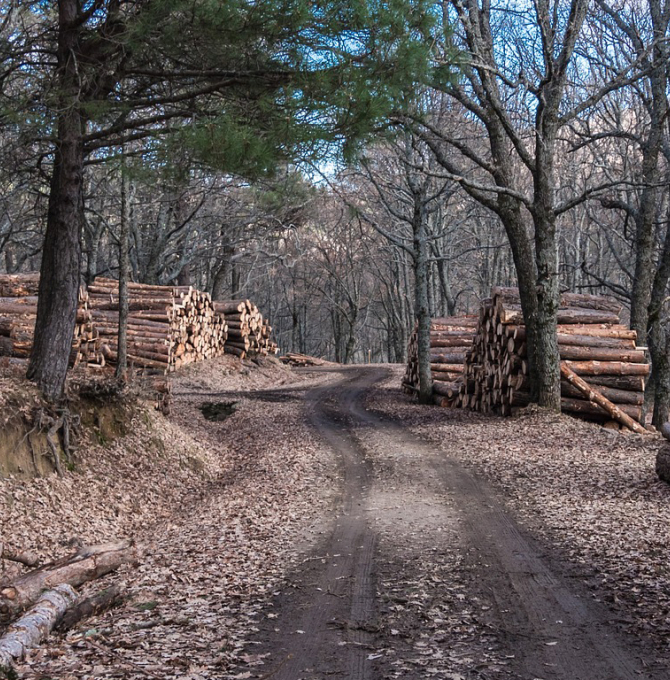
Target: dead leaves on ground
{"type": "Point", "coordinates": [590, 492]}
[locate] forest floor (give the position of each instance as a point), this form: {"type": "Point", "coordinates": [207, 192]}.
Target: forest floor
{"type": "Point", "coordinates": [331, 528]}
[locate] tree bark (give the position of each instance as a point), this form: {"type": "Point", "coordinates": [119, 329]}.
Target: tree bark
{"type": "Point", "coordinates": [61, 254]}
{"type": "Point", "coordinates": [91, 606]}
{"type": "Point", "coordinates": [86, 565]}
{"type": "Point", "coordinates": [124, 274]}
{"type": "Point", "coordinates": [36, 625]}
{"type": "Point", "coordinates": [420, 248]}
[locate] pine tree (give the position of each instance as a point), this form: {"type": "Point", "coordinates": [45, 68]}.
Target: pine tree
{"type": "Point", "coordinates": [246, 85]}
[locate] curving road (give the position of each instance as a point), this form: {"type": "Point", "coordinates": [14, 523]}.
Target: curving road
{"type": "Point", "coordinates": [422, 573]}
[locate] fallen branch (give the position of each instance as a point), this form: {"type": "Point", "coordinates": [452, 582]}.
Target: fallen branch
{"type": "Point", "coordinates": [25, 557]}
{"type": "Point", "coordinates": [594, 396]}
{"type": "Point", "coordinates": [32, 628]}
{"type": "Point", "coordinates": [92, 606]}
{"type": "Point", "coordinates": [88, 564]}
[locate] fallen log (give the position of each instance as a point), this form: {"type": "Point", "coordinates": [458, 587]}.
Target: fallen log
{"type": "Point", "coordinates": [23, 557]}
{"type": "Point", "coordinates": [36, 624]}
{"type": "Point", "coordinates": [92, 606]}
{"type": "Point", "coordinates": [594, 396]}
{"type": "Point", "coordinates": [608, 368]}
{"type": "Point", "coordinates": [85, 565]}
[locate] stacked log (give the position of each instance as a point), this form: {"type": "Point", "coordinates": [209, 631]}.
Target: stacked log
{"type": "Point", "coordinates": [19, 285]}
{"type": "Point", "coordinates": [450, 338]}
{"type": "Point", "coordinates": [18, 313]}
{"type": "Point", "coordinates": [303, 360]}
{"type": "Point", "coordinates": [248, 333]}
{"type": "Point", "coordinates": [592, 344]}
{"type": "Point", "coordinates": [168, 326]}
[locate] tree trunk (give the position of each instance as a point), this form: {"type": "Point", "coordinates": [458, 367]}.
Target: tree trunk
{"type": "Point", "coordinates": [351, 337]}
{"type": "Point", "coordinates": [420, 248]}
{"type": "Point", "coordinates": [61, 257]}
{"type": "Point", "coordinates": [661, 367]}
{"type": "Point", "coordinates": [659, 336]}
{"type": "Point", "coordinates": [546, 256]}
{"type": "Point", "coordinates": [36, 625]}
{"type": "Point", "coordinates": [124, 273]}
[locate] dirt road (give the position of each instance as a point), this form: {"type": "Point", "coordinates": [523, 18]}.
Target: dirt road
{"type": "Point", "coordinates": [318, 533]}
{"type": "Point", "coordinates": [421, 573]}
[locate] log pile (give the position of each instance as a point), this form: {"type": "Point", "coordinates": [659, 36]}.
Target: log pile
{"type": "Point", "coordinates": [303, 360]}
{"type": "Point", "coordinates": [450, 338]}
{"type": "Point", "coordinates": [168, 326]}
{"type": "Point", "coordinates": [248, 332]}
{"type": "Point", "coordinates": [18, 312]}
{"type": "Point", "coordinates": [593, 345]}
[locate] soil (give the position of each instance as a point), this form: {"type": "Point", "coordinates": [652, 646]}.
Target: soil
{"type": "Point", "coordinates": [424, 574]}
{"type": "Point", "coordinates": [345, 532]}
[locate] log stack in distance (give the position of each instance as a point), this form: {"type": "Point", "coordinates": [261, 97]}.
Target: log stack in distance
{"type": "Point", "coordinates": [591, 340]}
{"type": "Point", "coordinates": [168, 326]}
{"type": "Point", "coordinates": [18, 312]}
{"type": "Point", "coordinates": [248, 333]}
{"type": "Point", "coordinates": [450, 338]}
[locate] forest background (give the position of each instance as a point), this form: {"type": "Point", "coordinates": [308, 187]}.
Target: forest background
{"type": "Point", "coordinates": [350, 167]}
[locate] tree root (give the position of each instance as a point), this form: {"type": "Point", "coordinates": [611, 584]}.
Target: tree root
{"type": "Point", "coordinates": [58, 428]}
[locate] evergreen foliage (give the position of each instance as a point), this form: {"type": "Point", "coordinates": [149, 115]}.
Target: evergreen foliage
{"type": "Point", "coordinates": [246, 85]}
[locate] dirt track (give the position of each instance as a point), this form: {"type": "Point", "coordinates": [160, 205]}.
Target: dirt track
{"type": "Point", "coordinates": [422, 573]}
{"type": "Point", "coordinates": [331, 541]}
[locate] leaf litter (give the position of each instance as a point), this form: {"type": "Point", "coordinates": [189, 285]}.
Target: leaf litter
{"type": "Point", "coordinates": [219, 508]}
{"type": "Point", "coordinates": [225, 510]}
{"type": "Point", "coordinates": [588, 493]}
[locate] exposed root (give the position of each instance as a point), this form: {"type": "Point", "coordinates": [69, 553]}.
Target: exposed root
{"type": "Point", "coordinates": [58, 428]}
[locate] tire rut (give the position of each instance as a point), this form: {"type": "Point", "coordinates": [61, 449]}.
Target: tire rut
{"type": "Point", "coordinates": [545, 622]}
{"type": "Point", "coordinates": [327, 617]}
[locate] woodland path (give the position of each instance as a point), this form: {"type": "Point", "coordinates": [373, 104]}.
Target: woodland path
{"type": "Point", "coordinates": [422, 573]}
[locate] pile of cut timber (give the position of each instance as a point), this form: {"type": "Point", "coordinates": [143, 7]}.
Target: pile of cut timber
{"type": "Point", "coordinates": [248, 332]}
{"type": "Point", "coordinates": [592, 344]}
{"type": "Point", "coordinates": [450, 338]}
{"type": "Point", "coordinates": [168, 327]}
{"type": "Point", "coordinates": [303, 360]}
{"type": "Point", "coordinates": [18, 311]}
